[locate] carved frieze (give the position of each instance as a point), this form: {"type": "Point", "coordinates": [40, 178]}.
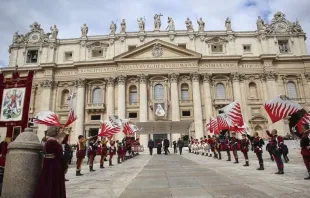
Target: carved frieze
{"type": "Point", "coordinates": [97, 70]}
{"type": "Point", "coordinates": [173, 77]}
{"type": "Point", "coordinates": [158, 66]}
{"type": "Point", "coordinates": [216, 40]}
{"type": "Point", "coordinates": [269, 76]}
{"type": "Point", "coordinates": [218, 65]}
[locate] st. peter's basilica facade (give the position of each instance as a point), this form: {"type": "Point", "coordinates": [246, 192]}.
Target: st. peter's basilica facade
{"type": "Point", "coordinates": [169, 82]}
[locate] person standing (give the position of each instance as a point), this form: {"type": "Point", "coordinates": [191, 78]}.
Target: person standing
{"type": "Point", "coordinates": [159, 145]}
{"type": "Point", "coordinates": [175, 147]}
{"type": "Point", "coordinates": [92, 148]}
{"type": "Point", "coordinates": [227, 146]}
{"type": "Point", "coordinates": [80, 153]}
{"type": "Point", "coordinates": [268, 149]}
{"type": "Point", "coordinates": [218, 146]}
{"type": "Point", "coordinates": [258, 143]}
{"type": "Point", "coordinates": [166, 145]}
{"type": "Point", "coordinates": [305, 146]}
{"type": "Point", "coordinates": [151, 146]}
{"type": "Point", "coordinates": [180, 144]}
{"type": "Point", "coordinates": [104, 152]}
{"type": "Point", "coordinates": [234, 147]}
{"type": "Point", "coordinates": [245, 149]}
{"type": "Point", "coordinates": [285, 153]}
{"type": "Point", "coordinates": [51, 183]}
{"type": "Point", "coordinates": [67, 152]}
{"type": "Point", "coordinates": [276, 148]}
{"type": "Point", "coordinates": [112, 151]}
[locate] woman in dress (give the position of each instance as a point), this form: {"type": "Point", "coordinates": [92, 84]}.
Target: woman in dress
{"type": "Point", "coordinates": [51, 183]}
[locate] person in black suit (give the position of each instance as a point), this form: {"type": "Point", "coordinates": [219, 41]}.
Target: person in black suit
{"type": "Point", "coordinates": [166, 145]}
{"type": "Point", "coordinates": [151, 146]}
{"type": "Point", "coordinates": [180, 145]}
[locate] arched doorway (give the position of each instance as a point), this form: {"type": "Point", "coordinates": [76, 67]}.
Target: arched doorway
{"type": "Point", "coordinates": [259, 130]}
{"type": "Point", "coordinates": [258, 124]}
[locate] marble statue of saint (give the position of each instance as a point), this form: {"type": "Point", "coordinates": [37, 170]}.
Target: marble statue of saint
{"type": "Point", "coordinates": [170, 26]}
{"type": "Point", "coordinates": [113, 28]}
{"type": "Point", "coordinates": [296, 27]}
{"type": "Point", "coordinates": [189, 24]}
{"type": "Point", "coordinates": [15, 37]}
{"type": "Point", "coordinates": [260, 23]}
{"type": "Point", "coordinates": [54, 32]}
{"type": "Point", "coordinates": [141, 23]}
{"type": "Point", "coordinates": [159, 110]}
{"type": "Point", "coordinates": [228, 24]}
{"type": "Point", "coordinates": [123, 26]}
{"type": "Point", "coordinates": [84, 30]}
{"type": "Point", "coordinates": [157, 21]}
{"type": "Point", "coordinates": [201, 25]}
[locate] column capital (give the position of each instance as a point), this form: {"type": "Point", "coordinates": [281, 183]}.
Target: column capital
{"type": "Point", "coordinates": [206, 77]}
{"type": "Point", "coordinates": [173, 77]}
{"type": "Point", "coordinates": [34, 86]}
{"type": "Point", "coordinates": [235, 77]}
{"type": "Point", "coordinates": [307, 75]}
{"type": "Point", "coordinates": [195, 76]}
{"type": "Point", "coordinates": [121, 79]}
{"type": "Point", "coordinates": [47, 83]}
{"type": "Point", "coordinates": [269, 76]}
{"type": "Point", "coordinates": [80, 82]}
{"type": "Point", "coordinates": [142, 78]}
{"type": "Point", "coordinates": [110, 81]}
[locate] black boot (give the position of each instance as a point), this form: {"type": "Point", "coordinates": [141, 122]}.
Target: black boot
{"type": "Point", "coordinates": [228, 159]}
{"type": "Point", "coordinates": [101, 166]}
{"type": "Point", "coordinates": [91, 169]}
{"type": "Point", "coordinates": [261, 167]}
{"type": "Point", "coordinates": [110, 163]}
{"type": "Point", "coordinates": [105, 159]}
{"type": "Point", "coordinates": [307, 178]}
{"type": "Point", "coordinates": [220, 156]}
{"type": "Point", "coordinates": [246, 163]}
{"type": "Point", "coordinates": [236, 162]}
{"type": "Point", "coordinates": [210, 155]}
{"type": "Point", "coordinates": [280, 172]}
{"type": "Point", "coordinates": [78, 173]}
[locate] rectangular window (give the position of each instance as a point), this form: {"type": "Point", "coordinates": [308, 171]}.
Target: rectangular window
{"type": "Point", "coordinates": [186, 113]}
{"type": "Point", "coordinates": [32, 56]}
{"type": "Point", "coordinates": [131, 47]}
{"type": "Point", "coordinates": [68, 56]}
{"type": "Point", "coordinates": [247, 48]}
{"type": "Point", "coordinates": [95, 117]}
{"type": "Point", "coordinates": [133, 115]}
{"type": "Point", "coordinates": [217, 48]}
{"type": "Point", "coordinates": [284, 47]}
{"type": "Point", "coordinates": [97, 53]}
{"type": "Point", "coordinates": [182, 46]}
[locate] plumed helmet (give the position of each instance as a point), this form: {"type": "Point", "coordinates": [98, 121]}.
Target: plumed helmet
{"type": "Point", "coordinates": [52, 131]}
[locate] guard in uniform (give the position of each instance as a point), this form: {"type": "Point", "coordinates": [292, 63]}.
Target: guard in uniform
{"type": "Point", "coordinates": [80, 153]}
{"type": "Point", "coordinates": [258, 143]}
{"type": "Point", "coordinates": [245, 149]}
{"type": "Point", "coordinates": [103, 153]}
{"type": "Point", "coordinates": [92, 148]}
{"type": "Point", "coordinates": [227, 146]}
{"type": "Point", "coordinates": [276, 149]}
{"type": "Point", "coordinates": [119, 152]}
{"type": "Point", "coordinates": [124, 149]}
{"type": "Point", "coordinates": [268, 149]}
{"type": "Point", "coordinates": [209, 141]}
{"type": "Point", "coordinates": [234, 147]}
{"type": "Point", "coordinates": [112, 151]}
{"type": "Point", "coordinates": [213, 147]}
{"type": "Point", "coordinates": [218, 146]}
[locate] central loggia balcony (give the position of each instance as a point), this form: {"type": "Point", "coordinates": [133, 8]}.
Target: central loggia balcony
{"type": "Point", "coordinates": [95, 107]}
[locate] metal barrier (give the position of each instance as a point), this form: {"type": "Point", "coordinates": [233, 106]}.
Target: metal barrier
{"type": "Point", "coordinates": [138, 148]}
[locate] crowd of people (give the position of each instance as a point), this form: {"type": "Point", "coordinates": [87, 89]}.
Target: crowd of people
{"type": "Point", "coordinates": [231, 144]}
{"type": "Point", "coordinates": [58, 156]}
{"type": "Point", "coordinates": [164, 146]}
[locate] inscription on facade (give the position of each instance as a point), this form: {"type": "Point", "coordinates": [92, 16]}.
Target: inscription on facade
{"type": "Point", "coordinates": [158, 66]}
{"type": "Point", "coordinates": [217, 65]}
{"type": "Point", "coordinates": [251, 66]}
{"type": "Point", "coordinates": [97, 70]}
{"type": "Point", "coordinates": [64, 73]}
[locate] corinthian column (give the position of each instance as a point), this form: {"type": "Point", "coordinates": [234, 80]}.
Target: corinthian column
{"type": "Point", "coordinates": [80, 108]}
{"type": "Point", "coordinates": [121, 109]}
{"type": "Point", "coordinates": [207, 96]}
{"type": "Point", "coordinates": [45, 103]}
{"type": "Point", "coordinates": [175, 107]}
{"type": "Point", "coordinates": [197, 106]}
{"type": "Point", "coordinates": [110, 97]}
{"type": "Point", "coordinates": [270, 78]}
{"type": "Point", "coordinates": [33, 96]}
{"type": "Point", "coordinates": [143, 106]}
{"type": "Point", "coordinates": [235, 77]}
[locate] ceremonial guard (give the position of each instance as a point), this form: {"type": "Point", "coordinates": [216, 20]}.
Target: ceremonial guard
{"type": "Point", "coordinates": [227, 145]}
{"type": "Point", "coordinates": [245, 149]}
{"type": "Point", "coordinates": [112, 151]}
{"type": "Point", "coordinates": [218, 146]}
{"type": "Point", "coordinates": [305, 146]}
{"type": "Point", "coordinates": [268, 149]}
{"type": "Point", "coordinates": [213, 147]}
{"type": "Point", "coordinates": [124, 149]}
{"type": "Point", "coordinates": [80, 153]}
{"type": "Point", "coordinates": [276, 149]}
{"type": "Point", "coordinates": [234, 147]}
{"type": "Point", "coordinates": [103, 151]}
{"type": "Point", "coordinates": [159, 146]}
{"type": "Point", "coordinates": [209, 141]}
{"type": "Point", "coordinates": [92, 148]}
{"type": "Point", "coordinates": [258, 143]}
{"type": "Point", "coordinates": [119, 152]}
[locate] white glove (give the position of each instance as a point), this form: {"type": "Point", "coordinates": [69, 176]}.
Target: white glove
{"type": "Point", "coordinates": [247, 130]}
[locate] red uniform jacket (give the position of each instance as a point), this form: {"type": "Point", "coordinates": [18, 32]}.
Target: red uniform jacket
{"type": "Point", "coordinates": [304, 143]}
{"type": "Point", "coordinates": [276, 141]}
{"type": "Point", "coordinates": [258, 144]}
{"type": "Point", "coordinates": [245, 145]}
{"type": "Point", "coordinates": [234, 143]}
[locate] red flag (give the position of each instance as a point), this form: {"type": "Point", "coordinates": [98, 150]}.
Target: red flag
{"type": "Point", "coordinates": [304, 120]}
{"type": "Point", "coordinates": [47, 118]}
{"type": "Point", "coordinates": [281, 107]}
{"type": "Point", "coordinates": [234, 114]}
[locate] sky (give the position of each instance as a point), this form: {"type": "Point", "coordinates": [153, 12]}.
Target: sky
{"type": "Point", "coordinates": [69, 15]}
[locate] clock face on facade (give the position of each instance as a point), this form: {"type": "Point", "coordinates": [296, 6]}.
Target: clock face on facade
{"type": "Point", "coordinates": [35, 37]}
{"type": "Point", "coordinates": [281, 27]}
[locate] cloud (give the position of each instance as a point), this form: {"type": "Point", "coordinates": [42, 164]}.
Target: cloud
{"type": "Point", "coordinates": [69, 15]}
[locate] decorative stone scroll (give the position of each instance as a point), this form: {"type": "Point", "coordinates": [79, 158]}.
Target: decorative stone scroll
{"type": "Point", "coordinates": [80, 82]}
{"type": "Point", "coordinates": [173, 77]}
{"type": "Point", "coordinates": [110, 81]}
{"type": "Point", "coordinates": [121, 79]}
{"type": "Point", "coordinates": [206, 77]}
{"type": "Point", "coordinates": [195, 76]}
{"type": "Point", "coordinates": [142, 78]}
{"type": "Point", "coordinates": [47, 84]}
{"type": "Point", "coordinates": [269, 76]}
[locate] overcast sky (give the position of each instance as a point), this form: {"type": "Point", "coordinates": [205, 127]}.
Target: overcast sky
{"type": "Point", "coordinates": [69, 15]}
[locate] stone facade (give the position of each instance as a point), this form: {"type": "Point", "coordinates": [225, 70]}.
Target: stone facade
{"type": "Point", "coordinates": [191, 74]}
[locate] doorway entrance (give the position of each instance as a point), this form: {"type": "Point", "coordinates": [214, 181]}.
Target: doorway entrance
{"type": "Point", "coordinates": [93, 131]}
{"type": "Point", "coordinates": [159, 138]}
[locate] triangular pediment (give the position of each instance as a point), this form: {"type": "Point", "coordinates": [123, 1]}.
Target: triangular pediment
{"type": "Point", "coordinates": [157, 49]}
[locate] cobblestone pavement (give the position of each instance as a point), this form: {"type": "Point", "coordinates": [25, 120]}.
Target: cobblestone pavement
{"type": "Point", "coordinates": [191, 175]}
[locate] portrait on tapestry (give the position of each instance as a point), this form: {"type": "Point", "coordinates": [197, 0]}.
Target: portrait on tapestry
{"type": "Point", "coordinates": [12, 104]}
{"type": "Point", "coordinates": [159, 109]}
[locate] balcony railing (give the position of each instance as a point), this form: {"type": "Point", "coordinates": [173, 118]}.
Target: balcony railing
{"type": "Point", "coordinates": [221, 102]}
{"type": "Point", "coordinates": [95, 107]}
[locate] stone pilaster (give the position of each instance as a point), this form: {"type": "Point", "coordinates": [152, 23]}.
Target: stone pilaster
{"type": "Point", "coordinates": [175, 106]}
{"type": "Point", "coordinates": [207, 96]}
{"type": "Point", "coordinates": [270, 78]}
{"type": "Point", "coordinates": [121, 107]}
{"type": "Point", "coordinates": [235, 78]}
{"type": "Point", "coordinates": [80, 108]}
{"type": "Point", "coordinates": [34, 89]}
{"type": "Point", "coordinates": [197, 105]}
{"type": "Point", "coordinates": [143, 106]}
{"type": "Point", "coordinates": [110, 97]}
